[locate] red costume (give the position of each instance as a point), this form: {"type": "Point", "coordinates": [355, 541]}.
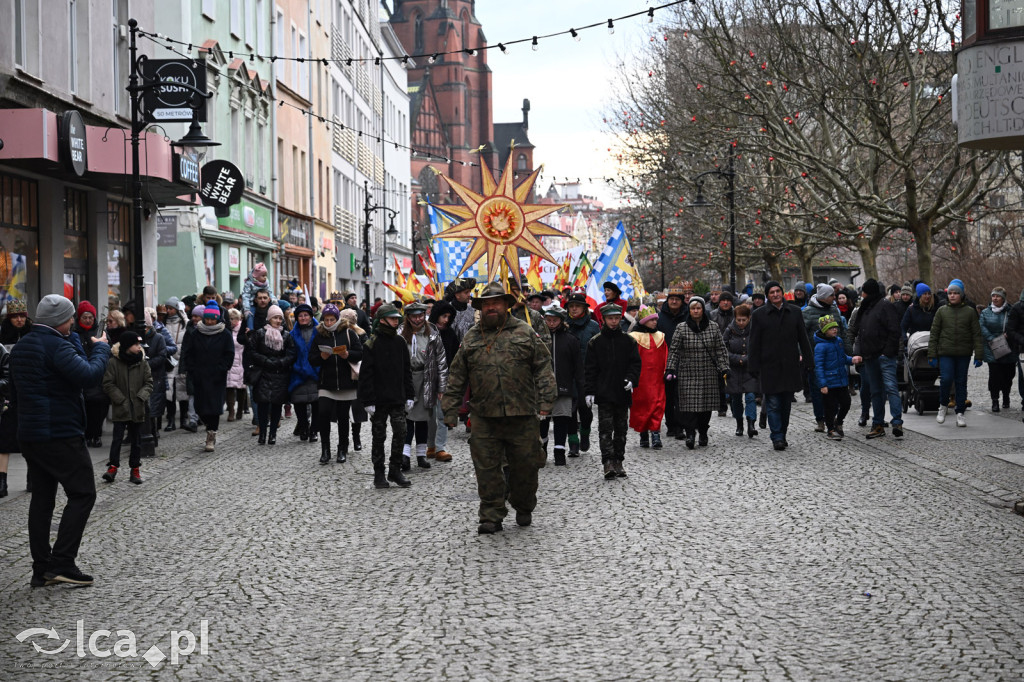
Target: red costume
{"type": "Point", "coordinates": [649, 397]}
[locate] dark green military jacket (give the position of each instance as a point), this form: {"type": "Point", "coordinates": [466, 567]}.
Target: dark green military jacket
{"type": "Point", "coordinates": [536, 321]}
{"type": "Point", "coordinates": [508, 373]}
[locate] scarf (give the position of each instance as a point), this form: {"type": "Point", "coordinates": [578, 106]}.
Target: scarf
{"type": "Point", "coordinates": [998, 310]}
{"type": "Point", "coordinates": [274, 339]}
{"type": "Point", "coordinates": [132, 358]}
{"type": "Point", "coordinates": [331, 327]}
{"type": "Point", "coordinates": [210, 329]}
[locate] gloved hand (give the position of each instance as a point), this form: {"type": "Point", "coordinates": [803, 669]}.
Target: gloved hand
{"type": "Point", "coordinates": [409, 404]}
{"type": "Point", "coordinates": [670, 377]}
{"type": "Point", "coordinates": [370, 409]}
{"type": "Point", "coordinates": [590, 401]}
{"type": "Point", "coordinates": [628, 386]}
{"type": "Point", "coordinates": [977, 363]}
{"type": "Point", "coordinates": [933, 362]}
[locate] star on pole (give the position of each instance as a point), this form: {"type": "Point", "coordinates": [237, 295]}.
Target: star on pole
{"type": "Point", "coordinates": [498, 221]}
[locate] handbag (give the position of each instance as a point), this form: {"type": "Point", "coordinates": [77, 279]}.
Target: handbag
{"type": "Point", "coordinates": [999, 346]}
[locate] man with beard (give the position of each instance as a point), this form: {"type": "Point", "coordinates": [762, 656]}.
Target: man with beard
{"type": "Point", "coordinates": [508, 370]}
{"type": "Point", "coordinates": [459, 293]}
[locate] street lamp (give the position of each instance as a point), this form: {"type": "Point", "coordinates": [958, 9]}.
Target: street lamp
{"type": "Point", "coordinates": [700, 202]}
{"type": "Point", "coordinates": [368, 209]}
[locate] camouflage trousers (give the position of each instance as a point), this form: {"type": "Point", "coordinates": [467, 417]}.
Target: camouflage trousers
{"type": "Point", "coordinates": [379, 429]}
{"type": "Point", "coordinates": [512, 444]}
{"type": "Point", "coordinates": [612, 423]}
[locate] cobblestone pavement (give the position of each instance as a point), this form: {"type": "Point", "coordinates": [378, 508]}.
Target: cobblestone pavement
{"type": "Point", "coordinates": [856, 560]}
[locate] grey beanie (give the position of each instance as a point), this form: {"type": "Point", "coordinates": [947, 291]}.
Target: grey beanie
{"type": "Point", "coordinates": [824, 291]}
{"type": "Point", "coordinates": [54, 310]}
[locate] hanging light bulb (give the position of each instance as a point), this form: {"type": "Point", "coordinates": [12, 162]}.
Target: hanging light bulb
{"type": "Point", "coordinates": [574, 34]}
{"type": "Point", "coordinates": [504, 50]}
{"type": "Point", "coordinates": [536, 46]}
{"type": "Point", "coordinates": [431, 59]}
{"type": "Point", "coordinates": [650, 16]}
{"type": "Point", "coordinates": [611, 27]}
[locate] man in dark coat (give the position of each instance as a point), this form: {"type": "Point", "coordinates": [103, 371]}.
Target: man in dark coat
{"type": "Point", "coordinates": [612, 371]}
{"type": "Point", "coordinates": [877, 340]}
{"type": "Point", "coordinates": [362, 319]}
{"type": "Point", "coordinates": [778, 343]}
{"type": "Point", "coordinates": [1015, 334]}
{"type": "Point", "coordinates": [386, 391]}
{"type": "Point", "coordinates": [49, 371]}
{"type": "Point", "coordinates": [673, 311]}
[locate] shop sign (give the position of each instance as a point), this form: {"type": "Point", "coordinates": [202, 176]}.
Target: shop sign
{"type": "Point", "coordinates": [234, 260]}
{"type": "Point", "coordinates": [71, 142]}
{"type": "Point", "coordinates": [167, 230]}
{"type": "Point", "coordinates": [988, 95]}
{"type": "Point", "coordinates": [294, 231]}
{"type": "Point", "coordinates": [246, 218]}
{"type": "Point", "coordinates": [186, 168]}
{"type": "Point", "coordinates": [170, 101]}
{"type": "Point", "coordinates": [222, 186]}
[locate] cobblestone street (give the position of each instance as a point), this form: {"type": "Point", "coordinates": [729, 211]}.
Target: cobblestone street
{"type": "Point", "coordinates": [856, 560]}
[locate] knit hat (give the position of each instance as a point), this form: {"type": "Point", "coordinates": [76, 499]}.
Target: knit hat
{"type": "Point", "coordinates": [826, 322]}
{"type": "Point", "coordinates": [698, 299]}
{"type": "Point", "coordinates": [274, 311]}
{"type": "Point", "coordinates": [999, 291]}
{"type": "Point", "coordinates": [349, 314]}
{"type": "Point", "coordinates": [198, 310]}
{"type": "Point", "coordinates": [647, 314]}
{"type": "Point", "coordinates": [757, 294]}
{"type": "Point", "coordinates": [906, 290]}
{"type": "Point", "coordinates": [128, 339]}
{"type": "Point", "coordinates": [799, 285]}
{"type": "Point", "coordinates": [283, 304]}
{"type": "Point", "coordinates": [211, 310]}
{"type": "Point", "coordinates": [85, 307]}
{"type": "Point", "coordinates": [769, 286]}
{"type": "Point", "coordinates": [53, 311]}
{"type": "Point", "coordinates": [833, 281]}
{"type": "Point", "coordinates": [922, 288]}
{"type": "Point", "coordinates": [809, 288]}
{"type": "Point", "coordinates": [150, 316]}
{"type": "Point", "coordinates": [726, 296]}
{"type": "Point", "coordinates": [823, 291]}
{"type": "Point", "coordinates": [331, 309]}
{"type": "Point", "coordinates": [303, 308]}
{"type": "Point", "coordinates": [16, 307]}
{"type": "Point", "coordinates": [956, 284]}
{"type": "Point", "coordinates": [872, 288]}
{"type": "Point", "coordinates": [259, 269]}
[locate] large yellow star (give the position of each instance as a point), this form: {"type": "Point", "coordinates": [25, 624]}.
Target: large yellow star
{"type": "Point", "coordinates": [499, 222]}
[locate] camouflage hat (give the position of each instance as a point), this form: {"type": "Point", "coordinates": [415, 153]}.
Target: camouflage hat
{"type": "Point", "coordinates": [556, 310]}
{"type": "Point", "coordinates": [16, 306]}
{"type": "Point", "coordinates": [610, 309]}
{"type": "Point", "coordinates": [387, 310]}
{"type": "Point", "coordinates": [493, 290]}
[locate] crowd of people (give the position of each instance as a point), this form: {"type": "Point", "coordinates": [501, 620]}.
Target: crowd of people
{"type": "Point", "coordinates": [519, 369]}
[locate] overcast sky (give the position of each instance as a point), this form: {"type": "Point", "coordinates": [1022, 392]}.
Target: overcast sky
{"type": "Point", "coordinates": [568, 83]}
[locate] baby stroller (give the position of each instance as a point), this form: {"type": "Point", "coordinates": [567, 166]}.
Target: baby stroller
{"type": "Point", "coordinates": [921, 390]}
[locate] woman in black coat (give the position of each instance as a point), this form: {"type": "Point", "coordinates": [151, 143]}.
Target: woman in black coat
{"type": "Point", "coordinates": [155, 347]}
{"type": "Point", "coordinates": [272, 352]}
{"type": "Point", "coordinates": [207, 357]}
{"type": "Point", "coordinates": [336, 389]}
{"type": "Point", "coordinates": [97, 404]}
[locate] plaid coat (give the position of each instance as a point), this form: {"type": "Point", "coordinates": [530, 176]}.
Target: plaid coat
{"type": "Point", "coordinates": [699, 360]}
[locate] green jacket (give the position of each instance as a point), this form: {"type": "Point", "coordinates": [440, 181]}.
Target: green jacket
{"type": "Point", "coordinates": [956, 332]}
{"type": "Point", "coordinates": [128, 386]}
{"type": "Point", "coordinates": [508, 373]}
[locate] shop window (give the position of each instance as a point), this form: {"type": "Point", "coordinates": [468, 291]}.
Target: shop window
{"type": "Point", "coordinates": [19, 240]}
{"type": "Point", "coordinates": [119, 229]}
{"type": "Point", "coordinates": [76, 244]}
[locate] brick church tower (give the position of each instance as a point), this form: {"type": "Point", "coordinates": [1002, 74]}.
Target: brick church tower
{"type": "Point", "coordinates": [450, 94]}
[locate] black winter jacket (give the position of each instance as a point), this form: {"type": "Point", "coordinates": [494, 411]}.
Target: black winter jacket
{"type": "Point", "coordinates": [1015, 325]}
{"type": "Point", "coordinates": [917, 319]}
{"type": "Point", "coordinates": [567, 362]}
{"type": "Point", "coordinates": [877, 330]}
{"type": "Point", "coordinates": [778, 341]}
{"type": "Point", "coordinates": [335, 371]}
{"type": "Point", "coordinates": [667, 321]}
{"type": "Point", "coordinates": [274, 367]}
{"type": "Point", "coordinates": [385, 378]}
{"type": "Point", "coordinates": [613, 358]}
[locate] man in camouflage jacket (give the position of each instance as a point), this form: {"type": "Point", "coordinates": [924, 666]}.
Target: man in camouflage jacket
{"type": "Point", "coordinates": [508, 370]}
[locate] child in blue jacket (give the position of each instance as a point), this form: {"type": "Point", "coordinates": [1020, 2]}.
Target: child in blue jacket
{"type": "Point", "coordinates": [830, 363]}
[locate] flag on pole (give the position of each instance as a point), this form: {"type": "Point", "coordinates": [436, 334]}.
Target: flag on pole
{"type": "Point", "coordinates": [450, 254]}
{"type": "Point", "coordinates": [615, 264]}
{"type": "Point", "coordinates": [533, 273]}
{"type": "Point", "coordinates": [562, 276]}
{"type": "Point", "coordinates": [399, 275]}
{"type": "Point", "coordinates": [583, 269]}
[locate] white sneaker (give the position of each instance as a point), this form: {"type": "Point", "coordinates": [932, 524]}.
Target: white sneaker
{"type": "Point", "coordinates": [941, 416]}
{"type": "Point", "coordinates": [961, 419]}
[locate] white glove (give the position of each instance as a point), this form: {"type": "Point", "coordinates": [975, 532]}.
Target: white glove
{"type": "Point", "coordinates": [629, 386]}
{"type": "Point", "coordinates": [589, 400]}
{"type": "Point", "coordinates": [370, 409]}
{"type": "Point", "coordinates": [409, 404]}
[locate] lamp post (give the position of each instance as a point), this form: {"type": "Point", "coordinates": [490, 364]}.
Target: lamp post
{"type": "Point", "coordinates": [700, 202]}
{"type": "Point", "coordinates": [368, 210]}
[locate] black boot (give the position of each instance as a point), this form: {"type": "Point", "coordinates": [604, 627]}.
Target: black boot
{"type": "Point", "coordinates": [325, 452]}
{"type": "Point", "coordinates": [313, 436]}
{"type": "Point", "coordinates": [357, 444]}
{"type": "Point", "coordinates": [396, 476]}
{"type": "Point", "coordinates": [751, 431]}
{"type": "Point", "coordinates": [302, 431]}
{"type": "Point", "coordinates": [691, 439]}
{"type": "Point", "coordinates": [703, 440]}
{"type": "Point", "coordinates": [272, 438]}
{"type": "Point", "coordinates": [421, 462]}
{"type": "Point", "coordinates": [656, 440]}
{"type": "Point", "coordinates": [3, 484]}
{"type": "Point", "coordinates": [342, 453]}
{"type": "Point", "coordinates": [645, 439]}
{"type": "Point", "coordinates": [559, 456]}
{"type": "Point", "coordinates": [263, 436]}
{"type": "Point", "coordinates": [995, 401]}
{"type": "Point", "coordinates": [763, 421]}
{"type": "Point", "coordinates": [584, 440]}
{"type": "Point", "coordinates": [379, 481]}
{"type": "Point", "coordinates": [739, 426]}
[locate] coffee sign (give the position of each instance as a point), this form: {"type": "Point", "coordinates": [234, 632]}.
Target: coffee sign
{"type": "Point", "coordinates": [71, 140]}
{"type": "Point", "coordinates": [169, 100]}
{"type": "Point", "coordinates": [186, 168]}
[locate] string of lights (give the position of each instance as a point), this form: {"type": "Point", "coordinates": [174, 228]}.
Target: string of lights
{"type": "Point", "coordinates": [432, 57]}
